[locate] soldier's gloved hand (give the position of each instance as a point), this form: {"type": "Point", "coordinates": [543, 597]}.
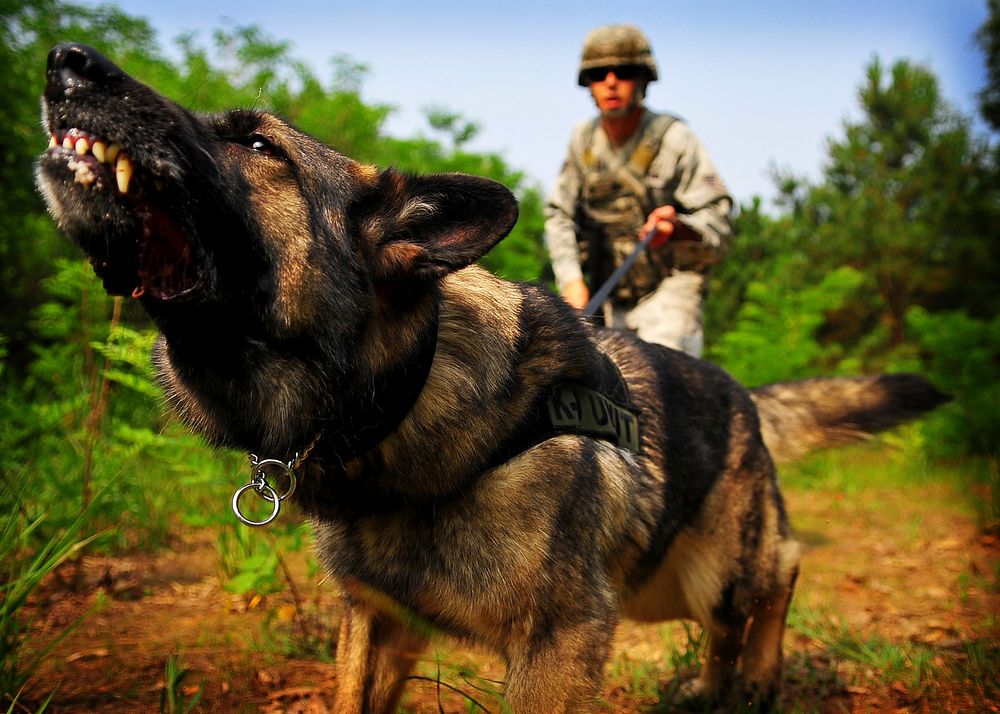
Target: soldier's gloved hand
{"type": "Point", "coordinates": [576, 294]}
{"type": "Point", "coordinates": [664, 220]}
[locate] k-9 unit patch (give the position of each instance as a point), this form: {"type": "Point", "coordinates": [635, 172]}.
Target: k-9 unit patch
{"type": "Point", "coordinates": [581, 410]}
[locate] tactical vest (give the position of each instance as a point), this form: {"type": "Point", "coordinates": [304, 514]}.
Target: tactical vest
{"type": "Point", "coordinates": [613, 207]}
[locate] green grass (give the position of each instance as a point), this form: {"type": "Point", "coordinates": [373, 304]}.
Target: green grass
{"type": "Point", "coordinates": [895, 461]}
{"type": "Point", "coordinates": [641, 679]}
{"type": "Point", "coordinates": [891, 662]}
{"type": "Point", "coordinates": [172, 699]}
{"type": "Point", "coordinates": [25, 562]}
{"type": "Point", "coordinates": [980, 668]}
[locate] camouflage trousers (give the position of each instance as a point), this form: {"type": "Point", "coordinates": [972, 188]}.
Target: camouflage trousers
{"type": "Point", "coordinates": [669, 316]}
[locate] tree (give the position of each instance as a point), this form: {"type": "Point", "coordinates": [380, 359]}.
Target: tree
{"type": "Point", "coordinates": [909, 198]}
{"type": "Point", "coordinates": [451, 124]}
{"type": "Point", "coordinates": [889, 262]}
{"type": "Point", "coordinates": [988, 38]}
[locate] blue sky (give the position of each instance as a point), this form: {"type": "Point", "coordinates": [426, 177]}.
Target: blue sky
{"type": "Point", "coordinates": [764, 83]}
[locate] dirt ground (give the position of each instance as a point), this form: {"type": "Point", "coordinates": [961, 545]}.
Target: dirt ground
{"type": "Point", "coordinates": [897, 609]}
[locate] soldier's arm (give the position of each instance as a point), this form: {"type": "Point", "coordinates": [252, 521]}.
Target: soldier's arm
{"type": "Point", "coordinates": [560, 226]}
{"type": "Point", "coordinates": [702, 199]}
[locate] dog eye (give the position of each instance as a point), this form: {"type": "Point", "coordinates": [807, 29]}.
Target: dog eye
{"type": "Point", "coordinates": [261, 144]}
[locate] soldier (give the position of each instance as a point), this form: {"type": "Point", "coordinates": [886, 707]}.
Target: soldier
{"type": "Point", "coordinates": [628, 171]}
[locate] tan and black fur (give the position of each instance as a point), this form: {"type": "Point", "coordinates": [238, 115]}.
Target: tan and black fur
{"type": "Point", "coordinates": [310, 302]}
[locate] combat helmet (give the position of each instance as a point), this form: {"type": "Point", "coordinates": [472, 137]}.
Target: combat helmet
{"type": "Point", "coordinates": [615, 46]}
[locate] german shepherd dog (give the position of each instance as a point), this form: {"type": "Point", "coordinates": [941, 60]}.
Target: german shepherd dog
{"type": "Point", "coordinates": [469, 449]}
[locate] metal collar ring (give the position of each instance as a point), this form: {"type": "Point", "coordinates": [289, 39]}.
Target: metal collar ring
{"type": "Point", "coordinates": [261, 471]}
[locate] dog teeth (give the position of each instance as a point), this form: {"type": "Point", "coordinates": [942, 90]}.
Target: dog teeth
{"type": "Point", "coordinates": [109, 154]}
{"type": "Point", "coordinates": [123, 172]}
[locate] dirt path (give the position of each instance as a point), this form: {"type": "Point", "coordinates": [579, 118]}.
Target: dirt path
{"type": "Point", "coordinates": [897, 609]}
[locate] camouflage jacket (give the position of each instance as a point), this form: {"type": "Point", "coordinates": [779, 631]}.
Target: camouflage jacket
{"type": "Point", "coordinates": [679, 173]}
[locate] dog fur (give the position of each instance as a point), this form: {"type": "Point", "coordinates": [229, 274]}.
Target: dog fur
{"type": "Point", "coordinates": [309, 303]}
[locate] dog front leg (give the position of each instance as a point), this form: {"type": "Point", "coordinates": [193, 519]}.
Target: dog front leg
{"type": "Point", "coordinates": [561, 671]}
{"type": "Point", "coordinates": [375, 653]}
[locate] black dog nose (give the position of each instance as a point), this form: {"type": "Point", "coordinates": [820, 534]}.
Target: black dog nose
{"type": "Point", "coordinates": [73, 64]}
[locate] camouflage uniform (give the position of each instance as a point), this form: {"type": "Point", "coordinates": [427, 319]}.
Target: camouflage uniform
{"type": "Point", "coordinates": [604, 194]}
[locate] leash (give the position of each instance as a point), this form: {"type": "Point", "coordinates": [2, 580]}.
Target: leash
{"type": "Point", "coordinates": [602, 294]}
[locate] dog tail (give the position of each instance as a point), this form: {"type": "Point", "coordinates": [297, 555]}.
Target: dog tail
{"type": "Point", "coordinates": [797, 417]}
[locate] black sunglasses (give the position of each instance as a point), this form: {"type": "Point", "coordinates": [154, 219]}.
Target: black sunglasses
{"type": "Point", "coordinates": [627, 72]}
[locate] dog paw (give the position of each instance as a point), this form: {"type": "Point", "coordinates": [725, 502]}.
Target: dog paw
{"type": "Point", "coordinates": [693, 689]}
{"type": "Point", "coordinates": [759, 696]}
{"type": "Point", "coordinates": [698, 695]}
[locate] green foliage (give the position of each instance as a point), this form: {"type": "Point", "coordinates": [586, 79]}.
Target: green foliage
{"type": "Point", "coordinates": [253, 564]}
{"type": "Point", "coordinates": [963, 359]}
{"type": "Point", "coordinates": [760, 240]}
{"type": "Point", "coordinates": [909, 663]}
{"type": "Point", "coordinates": [910, 198]}
{"type": "Point", "coordinates": [889, 262]}
{"type": "Point", "coordinates": [28, 242]}
{"type": "Point", "coordinates": [25, 560]}
{"type": "Point", "coordinates": [980, 667]}
{"type": "Point", "coordinates": [452, 125]}
{"type": "Point", "coordinates": [249, 558]}
{"type": "Point", "coordinates": [988, 38]}
{"type": "Point", "coordinates": [909, 201]}
{"type": "Point", "coordinates": [88, 416]}
{"type": "Point", "coordinates": [172, 700]}
{"type": "Point", "coordinates": [775, 337]}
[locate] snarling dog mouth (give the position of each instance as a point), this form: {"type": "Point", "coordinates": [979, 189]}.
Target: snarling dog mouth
{"type": "Point", "coordinates": [107, 187]}
{"type": "Point", "coordinates": [94, 160]}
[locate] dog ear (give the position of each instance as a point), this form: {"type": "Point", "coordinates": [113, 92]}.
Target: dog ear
{"type": "Point", "coordinates": [424, 227]}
